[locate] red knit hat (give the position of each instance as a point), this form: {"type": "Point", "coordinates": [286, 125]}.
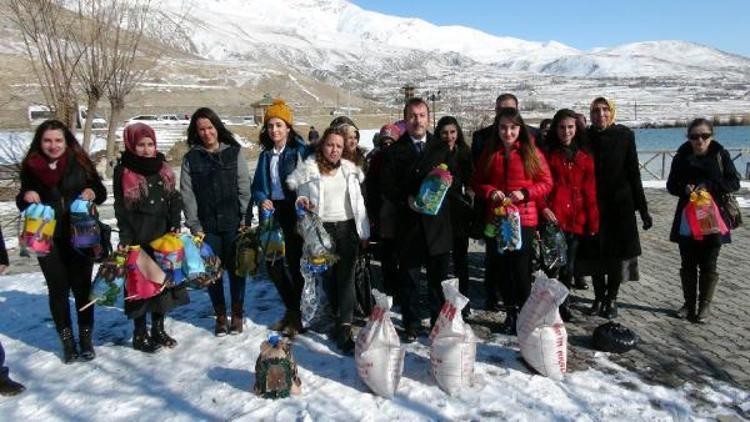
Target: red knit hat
{"type": "Point", "coordinates": [134, 133]}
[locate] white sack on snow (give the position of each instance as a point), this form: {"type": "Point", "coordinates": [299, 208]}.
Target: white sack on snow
{"type": "Point", "coordinates": [377, 352]}
{"type": "Point", "coordinates": [541, 332]}
{"type": "Point", "coordinates": [453, 343]}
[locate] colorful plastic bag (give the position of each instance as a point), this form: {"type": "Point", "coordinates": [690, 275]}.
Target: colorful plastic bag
{"type": "Point", "coordinates": [541, 333]}
{"type": "Point", "coordinates": [433, 189]}
{"type": "Point", "coordinates": [317, 248]}
{"type": "Point", "coordinates": [145, 278]}
{"type": "Point", "coordinates": [378, 352]}
{"type": "Point", "coordinates": [505, 226]}
{"type": "Point", "coordinates": [169, 253]}
{"type": "Point", "coordinates": [271, 237]}
{"type": "Point", "coordinates": [193, 265]}
{"type": "Point", "coordinates": [275, 369]}
{"type": "Point", "coordinates": [703, 216]}
{"type": "Point", "coordinates": [84, 226]}
{"type": "Point", "coordinates": [38, 229]}
{"type": "Point", "coordinates": [214, 270]}
{"type": "Point", "coordinates": [453, 346]}
{"type": "Point", "coordinates": [248, 252]}
{"type": "Point", "coordinates": [109, 280]}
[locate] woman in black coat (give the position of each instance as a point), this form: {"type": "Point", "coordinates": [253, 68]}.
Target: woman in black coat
{"type": "Point", "coordinates": [147, 206]}
{"type": "Point", "coordinates": [459, 198]}
{"type": "Point", "coordinates": [700, 163]}
{"type": "Point", "coordinates": [619, 194]}
{"type": "Point", "coordinates": [55, 172]}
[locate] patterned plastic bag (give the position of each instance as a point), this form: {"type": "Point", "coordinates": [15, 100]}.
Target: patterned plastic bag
{"type": "Point", "coordinates": [505, 226]}
{"type": "Point", "coordinates": [553, 248]}
{"type": "Point", "coordinates": [145, 278]}
{"type": "Point", "coordinates": [38, 229]}
{"type": "Point", "coordinates": [169, 253]}
{"type": "Point", "coordinates": [271, 237]}
{"type": "Point", "coordinates": [109, 280]}
{"type": "Point", "coordinates": [703, 215]}
{"type": "Point", "coordinates": [248, 252]}
{"type": "Point", "coordinates": [313, 294]}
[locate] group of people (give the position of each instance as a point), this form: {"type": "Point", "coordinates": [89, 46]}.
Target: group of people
{"type": "Point", "coordinates": [585, 180]}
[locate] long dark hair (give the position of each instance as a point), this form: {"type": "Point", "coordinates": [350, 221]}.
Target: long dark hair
{"type": "Point", "coordinates": [460, 140]}
{"type": "Point", "coordinates": [580, 141]}
{"type": "Point", "coordinates": [223, 134]}
{"type": "Point", "coordinates": [71, 144]}
{"type": "Point", "coordinates": [267, 143]}
{"type": "Point", "coordinates": [531, 164]}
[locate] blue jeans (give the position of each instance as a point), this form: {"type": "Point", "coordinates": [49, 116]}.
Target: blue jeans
{"type": "Point", "coordinates": [224, 245]}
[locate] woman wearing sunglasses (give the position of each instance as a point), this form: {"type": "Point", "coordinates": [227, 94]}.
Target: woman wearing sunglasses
{"type": "Point", "coordinates": [700, 163]}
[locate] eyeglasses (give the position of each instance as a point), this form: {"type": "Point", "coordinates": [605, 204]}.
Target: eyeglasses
{"type": "Point", "coordinates": [696, 136]}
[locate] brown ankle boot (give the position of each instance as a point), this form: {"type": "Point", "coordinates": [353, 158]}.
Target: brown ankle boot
{"type": "Point", "coordinates": [281, 324]}
{"type": "Point", "coordinates": [237, 318]}
{"type": "Point", "coordinates": [221, 328]}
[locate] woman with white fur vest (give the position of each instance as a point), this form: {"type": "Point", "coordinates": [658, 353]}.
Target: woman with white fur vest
{"type": "Point", "coordinates": [329, 186]}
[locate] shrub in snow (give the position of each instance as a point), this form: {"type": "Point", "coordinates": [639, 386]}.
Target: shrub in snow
{"type": "Point", "coordinates": [377, 352]}
{"type": "Point", "coordinates": [453, 343]}
{"type": "Point", "coordinates": [541, 332]}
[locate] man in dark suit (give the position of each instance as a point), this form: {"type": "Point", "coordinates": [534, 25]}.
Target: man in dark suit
{"type": "Point", "coordinates": [423, 240]}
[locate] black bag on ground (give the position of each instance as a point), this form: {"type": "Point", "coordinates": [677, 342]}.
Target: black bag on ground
{"type": "Point", "coordinates": [614, 337]}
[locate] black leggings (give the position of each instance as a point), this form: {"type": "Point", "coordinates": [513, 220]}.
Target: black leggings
{"type": "Point", "coordinates": [64, 270]}
{"type": "Point", "coordinates": [696, 255]}
{"type": "Point", "coordinates": [514, 270]}
{"type": "Point", "coordinates": [339, 279]}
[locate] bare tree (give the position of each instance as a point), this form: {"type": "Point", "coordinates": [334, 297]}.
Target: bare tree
{"type": "Point", "coordinates": [48, 31]}
{"type": "Point", "coordinates": [96, 18]}
{"type": "Point", "coordinates": [123, 44]}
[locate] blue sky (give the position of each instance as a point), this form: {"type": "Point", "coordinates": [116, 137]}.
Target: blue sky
{"type": "Point", "coordinates": [723, 24]}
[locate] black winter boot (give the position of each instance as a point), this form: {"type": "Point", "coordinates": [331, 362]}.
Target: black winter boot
{"type": "Point", "coordinates": [141, 340]}
{"type": "Point", "coordinates": [706, 288]}
{"type": "Point", "coordinates": [509, 326]}
{"type": "Point", "coordinates": [8, 387]}
{"type": "Point", "coordinates": [158, 335]}
{"type": "Point", "coordinates": [609, 307]}
{"type": "Point", "coordinates": [345, 341]}
{"type": "Point", "coordinates": [87, 346]}
{"type": "Point", "coordinates": [70, 353]}
{"type": "Point", "coordinates": [565, 312]}
{"type": "Point", "coordinates": [689, 280]}
{"type": "Point", "coordinates": [600, 290]}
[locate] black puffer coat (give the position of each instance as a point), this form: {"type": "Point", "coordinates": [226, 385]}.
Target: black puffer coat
{"type": "Point", "coordinates": [690, 169]}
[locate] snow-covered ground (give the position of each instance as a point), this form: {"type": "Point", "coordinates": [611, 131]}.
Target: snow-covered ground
{"type": "Point", "coordinates": [209, 378]}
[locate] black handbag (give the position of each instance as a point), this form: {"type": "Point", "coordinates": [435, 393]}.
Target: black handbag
{"type": "Point", "coordinates": [728, 205]}
{"type": "Point", "coordinates": [614, 337]}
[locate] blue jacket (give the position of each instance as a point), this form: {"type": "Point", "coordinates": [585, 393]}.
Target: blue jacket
{"type": "Point", "coordinates": [294, 152]}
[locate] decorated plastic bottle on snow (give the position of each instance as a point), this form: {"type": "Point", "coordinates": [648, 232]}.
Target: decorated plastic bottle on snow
{"type": "Point", "coordinates": [433, 189]}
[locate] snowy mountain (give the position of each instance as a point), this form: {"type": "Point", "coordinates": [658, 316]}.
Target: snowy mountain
{"type": "Point", "coordinates": [331, 35]}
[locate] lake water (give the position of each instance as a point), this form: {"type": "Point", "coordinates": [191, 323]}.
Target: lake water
{"type": "Point", "coordinates": [731, 137]}
{"type": "Point", "coordinates": [14, 144]}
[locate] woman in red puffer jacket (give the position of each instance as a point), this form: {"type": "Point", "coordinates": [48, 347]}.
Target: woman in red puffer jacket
{"type": "Point", "coordinates": [572, 203]}
{"type": "Point", "coordinates": [512, 167]}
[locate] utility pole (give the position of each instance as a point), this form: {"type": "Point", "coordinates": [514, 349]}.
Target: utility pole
{"type": "Point", "coordinates": [433, 96]}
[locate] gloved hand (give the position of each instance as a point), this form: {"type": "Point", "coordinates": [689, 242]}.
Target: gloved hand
{"type": "Point", "coordinates": [646, 219]}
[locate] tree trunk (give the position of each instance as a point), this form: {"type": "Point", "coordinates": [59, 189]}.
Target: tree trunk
{"type": "Point", "coordinates": [93, 104]}
{"type": "Point", "coordinates": [116, 107]}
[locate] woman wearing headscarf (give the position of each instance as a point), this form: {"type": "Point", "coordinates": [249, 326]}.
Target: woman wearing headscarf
{"type": "Point", "coordinates": [215, 187]}
{"type": "Point", "coordinates": [147, 206]}
{"type": "Point", "coordinates": [283, 150]}
{"type": "Point", "coordinates": [701, 163]}
{"type": "Point", "coordinates": [613, 255]}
